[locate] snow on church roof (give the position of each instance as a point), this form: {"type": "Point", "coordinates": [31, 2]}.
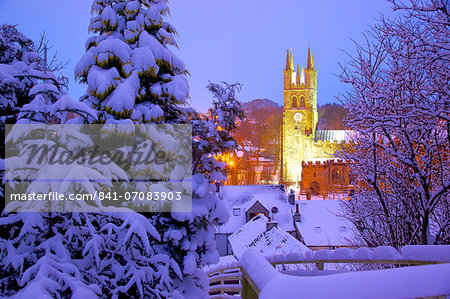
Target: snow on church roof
{"type": "Point", "coordinates": [321, 224]}
{"type": "Point", "coordinates": [334, 135]}
{"type": "Point", "coordinates": [255, 236]}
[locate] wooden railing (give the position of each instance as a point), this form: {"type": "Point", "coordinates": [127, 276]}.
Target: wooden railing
{"type": "Point", "coordinates": [225, 282]}
{"type": "Point", "coordinates": [232, 280]}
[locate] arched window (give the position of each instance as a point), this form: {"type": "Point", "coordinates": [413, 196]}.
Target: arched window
{"type": "Point", "coordinates": [302, 102]}
{"type": "Point", "coordinates": [294, 103]}
{"type": "Point", "coordinates": [336, 176]}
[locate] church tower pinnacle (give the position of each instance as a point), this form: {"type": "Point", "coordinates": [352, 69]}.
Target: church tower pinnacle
{"type": "Point", "coordinates": [288, 61]}
{"type": "Point", "coordinates": [310, 72]}
{"type": "Point", "coordinates": [289, 77]}
{"type": "Point", "coordinates": [310, 62]}
{"type": "Point", "coordinates": [291, 66]}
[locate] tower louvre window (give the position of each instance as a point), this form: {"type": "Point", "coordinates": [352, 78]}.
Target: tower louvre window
{"type": "Point", "coordinates": [294, 103]}
{"type": "Point", "coordinates": [302, 102]}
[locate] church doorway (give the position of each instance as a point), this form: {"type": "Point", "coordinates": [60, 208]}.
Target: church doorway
{"type": "Point", "coordinates": [315, 188]}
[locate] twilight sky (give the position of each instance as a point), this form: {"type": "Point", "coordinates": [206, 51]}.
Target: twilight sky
{"type": "Point", "coordinates": [232, 40]}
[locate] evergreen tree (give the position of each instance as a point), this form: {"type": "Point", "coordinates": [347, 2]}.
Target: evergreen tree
{"type": "Point", "coordinates": [130, 72]}
{"type": "Point", "coordinates": [22, 67]}
{"type": "Point", "coordinates": [132, 75]}
{"type": "Point", "coordinates": [190, 236]}
{"type": "Point", "coordinates": [25, 77]}
{"type": "Point", "coordinates": [19, 67]}
{"type": "Point", "coordinates": [76, 255]}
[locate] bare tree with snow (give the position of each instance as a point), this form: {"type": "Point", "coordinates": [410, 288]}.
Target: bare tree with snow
{"type": "Point", "coordinates": [399, 105]}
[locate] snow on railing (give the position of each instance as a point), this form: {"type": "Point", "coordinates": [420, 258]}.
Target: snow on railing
{"type": "Point", "coordinates": [253, 273]}
{"type": "Point", "coordinates": [411, 254]}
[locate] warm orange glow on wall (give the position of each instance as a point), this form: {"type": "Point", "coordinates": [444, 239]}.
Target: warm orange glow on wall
{"type": "Point", "coordinates": [227, 158]}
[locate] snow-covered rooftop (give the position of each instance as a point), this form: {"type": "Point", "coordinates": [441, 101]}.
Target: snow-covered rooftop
{"type": "Point", "coordinates": [267, 242]}
{"type": "Point", "coordinates": [238, 195]}
{"type": "Point", "coordinates": [334, 135]}
{"type": "Point", "coordinates": [325, 160]}
{"type": "Point", "coordinates": [322, 225]}
{"type": "Point", "coordinates": [284, 214]}
{"type": "Point", "coordinates": [240, 198]}
{"type": "Point", "coordinates": [331, 196]}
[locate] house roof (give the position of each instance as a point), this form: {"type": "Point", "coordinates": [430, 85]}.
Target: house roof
{"type": "Point", "coordinates": [243, 197]}
{"type": "Point", "coordinates": [322, 225]}
{"type": "Point", "coordinates": [284, 215]}
{"type": "Point", "coordinates": [255, 236]}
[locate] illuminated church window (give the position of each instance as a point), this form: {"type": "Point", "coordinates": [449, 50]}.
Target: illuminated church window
{"type": "Point", "coordinates": [294, 103]}
{"type": "Point", "coordinates": [302, 102]}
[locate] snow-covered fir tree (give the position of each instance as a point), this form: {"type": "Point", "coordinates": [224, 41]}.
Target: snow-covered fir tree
{"type": "Point", "coordinates": [19, 67]}
{"type": "Point", "coordinates": [130, 72]}
{"type": "Point", "coordinates": [213, 130]}
{"type": "Point", "coordinates": [190, 236]}
{"type": "Point", "coordinates": [25, 77]}
{"type": "Point", "coordinates": [132, 75]}
{"type": "Point", "coordinates": [78, 255]}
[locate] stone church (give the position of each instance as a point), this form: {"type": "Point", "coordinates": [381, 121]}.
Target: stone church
{"type": "Point", "coordinates": [302, 142]}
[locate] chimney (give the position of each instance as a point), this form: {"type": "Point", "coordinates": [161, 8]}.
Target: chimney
{"type": "Point", "coordinates": [297, 215]}
{"type": "Point", "coordinates": [291, 197]}
{"type": "Point", "coordinates": [271, 224]}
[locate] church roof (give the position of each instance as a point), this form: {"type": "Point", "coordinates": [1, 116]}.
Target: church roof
{"type": "Point", "coordinates": [334, 135]}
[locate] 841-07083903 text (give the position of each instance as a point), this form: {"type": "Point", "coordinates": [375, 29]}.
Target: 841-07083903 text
{"type": "Point", "coordinates": [135, 195]}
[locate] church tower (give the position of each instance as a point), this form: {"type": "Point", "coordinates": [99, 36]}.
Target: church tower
{"type": "Point", "coordinates": [299, 117]}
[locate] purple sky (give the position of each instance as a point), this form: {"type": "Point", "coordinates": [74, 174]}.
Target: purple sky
{"type": "Point", "coordinates": [231, 40]}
